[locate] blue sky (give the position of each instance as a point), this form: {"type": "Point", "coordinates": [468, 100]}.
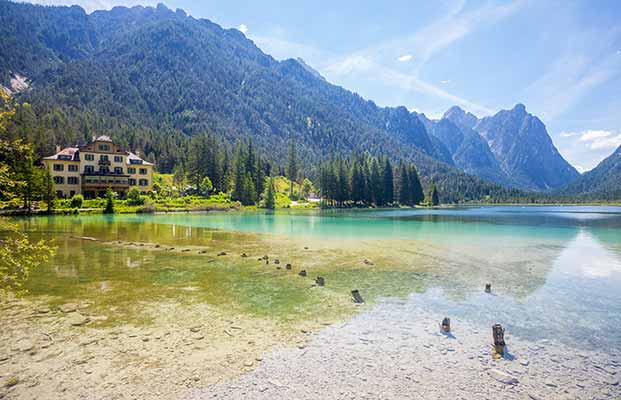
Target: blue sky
{"type": "Point", "coordinates": [562, 59]}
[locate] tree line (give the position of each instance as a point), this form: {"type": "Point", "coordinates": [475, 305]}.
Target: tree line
{"type": "Point", "coordinates": [364, 180]}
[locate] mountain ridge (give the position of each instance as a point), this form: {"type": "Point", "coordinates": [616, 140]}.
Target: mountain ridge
{"type": "Point", "coordinates": [156, 77]}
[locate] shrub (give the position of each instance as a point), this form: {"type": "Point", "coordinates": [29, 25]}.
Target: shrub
{"type": "Point", "coordinates": [134, 198]}
{"type": "Point", "coordinates": [110, 195]}
{"type": "Point", "coordinates": [77, 200]}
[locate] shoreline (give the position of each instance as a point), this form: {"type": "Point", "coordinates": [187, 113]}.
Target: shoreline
{"type": "Point", "coordinates": [395, 351]}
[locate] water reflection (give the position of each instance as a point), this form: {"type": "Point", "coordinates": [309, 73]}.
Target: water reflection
{"type": "Point", "coordinates": [555, 272]}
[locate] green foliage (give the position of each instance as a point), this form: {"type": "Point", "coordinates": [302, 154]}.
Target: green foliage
{"type": "Point", "coordinates": [270, 195]}
{"type": "Point", "coordinates": [433, 199]}
{"type": "Point", "coordinates": [133, 197]}
{"type": "Point", "coordinates": [363, 180]}
{"type": "Point", "coordinates": [76, 201]}
{"type": "Point", "coordinates": [18, 257]}
{"type": "Point", "coordinates": [110, 196]}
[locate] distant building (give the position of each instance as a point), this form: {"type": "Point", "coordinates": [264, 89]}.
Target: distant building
{"type": "Point", "coordinates": [93, 168]}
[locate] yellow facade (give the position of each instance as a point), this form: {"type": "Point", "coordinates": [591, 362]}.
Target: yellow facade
{"type": "Point", "coordinates": [93, 168]}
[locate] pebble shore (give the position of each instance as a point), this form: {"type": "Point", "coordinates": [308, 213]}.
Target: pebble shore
{"type": "Point", "coordinates": [395, 351]}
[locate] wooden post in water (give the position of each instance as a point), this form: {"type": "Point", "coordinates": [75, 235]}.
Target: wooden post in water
{"type": "Point", "coordinates": [288, 266]}
{"type": "Point", "coordinates": [498, 334]}
{"type": "Point", "coordinates": [488, 288]}
{"type": "Point", "coordinates": [302, 272]}
{"type": "Point", "coordinates": [446, 325]}
{"type": "Point", "coordinates": [320, 281]}
{"type": "Point", "coordinates": [355, 294]}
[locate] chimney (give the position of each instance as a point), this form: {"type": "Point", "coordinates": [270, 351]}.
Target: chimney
{"type": "Point", "coordinates": [57, 148]}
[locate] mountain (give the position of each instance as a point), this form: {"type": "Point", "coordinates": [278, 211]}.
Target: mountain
{"type": "Point", "coordinates": [466, 148]}
{"type": "Point", "coordinates": [152, 78]}
{"type": "Point", "coordinates": [602, 182]}
{"type": "Point", "coordinates": [522, 146]}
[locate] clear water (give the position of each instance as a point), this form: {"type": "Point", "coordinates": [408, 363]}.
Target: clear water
{"type": "Point", "coordinates": [555, 271]}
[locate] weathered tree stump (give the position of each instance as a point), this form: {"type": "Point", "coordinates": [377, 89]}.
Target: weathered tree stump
{"type": "Point", "coordinates": [244, 255]}
{"type": "Point", "coordinates": [265, 257]}
{"type": "Point", "coordinates": [446, 325]}
{"type": "Point", "coordinates": [320, 281]}
{"type": "Point", "coordinates": [488, 288]}
{"type": "Point", "coordinates": [222, 253]}
{"type": "Point", "coordinates": [498, 333]}
{"type": "Point", "coordinates": [355, 294]}
{"type": "Point", "coordinates": [288, 266]}
{"type": "Point", "coordinates": [302, 272]}
{"type": "Point", "coordinates": [276, 261]}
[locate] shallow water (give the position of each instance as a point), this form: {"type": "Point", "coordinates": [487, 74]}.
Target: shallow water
{"type": "Point", "coordinates": [555, 271]}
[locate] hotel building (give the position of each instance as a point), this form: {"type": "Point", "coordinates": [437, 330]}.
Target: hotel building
{"type": "Point", "coordinates": [93, 168]}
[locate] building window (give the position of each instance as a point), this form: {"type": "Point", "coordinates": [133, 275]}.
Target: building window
{"type": "Point", "coordinates": [132, 182]}
{"type": "Point", "coordinates": [59, 180]}
{"type": "Point", "coordinates": [118, 158]}
{"type": "Point", "coordinates": [118, 170]}
{"type": "Point", "coordinates": [104, 147]}
{"type": "Point", "coordinates": [135, 161]}
{"type": "Point", "coordinates": [104, 170]}
{"type": "Point", "coordinates": [59, 194]}
{"type": "Point", "coordinates": [143, 182]}
{"type": "Point", "coordinates": [89, 169]}
{"type": "Point", "coordinates": [103, 157]}
{"type": "Point", "coordinates": [73, 180]}
{"type": "Point", "coordinates": [73, 168]}
{"type": "Point", "coordinates": [59, 167]}
{"type": "Point", "coordinates": [131, 170]}
{"type": "Point", "coordinates": [89, 157]}
{"type": "Point", "coordinates": [143, 171]}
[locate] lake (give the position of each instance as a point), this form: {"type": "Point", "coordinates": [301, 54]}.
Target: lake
{"type": "Point", "coordinates": [555, 271]}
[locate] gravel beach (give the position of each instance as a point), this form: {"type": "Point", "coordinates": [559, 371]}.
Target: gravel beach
{"type": "Point", "coordinates": [395, 351]}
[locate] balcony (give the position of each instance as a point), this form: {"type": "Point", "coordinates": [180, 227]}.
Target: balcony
{"type": "Point", "coordinates": [104, 162]}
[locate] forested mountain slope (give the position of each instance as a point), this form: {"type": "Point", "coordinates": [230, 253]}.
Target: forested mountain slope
{"type": "Point", "coordinates": [152, 78]}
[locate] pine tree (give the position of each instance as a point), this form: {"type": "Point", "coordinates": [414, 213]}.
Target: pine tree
{"type": "Point", "coordinates": [292, 166]}
{"type": "Point", "coordinates": [434, 199]}
{"type": "Point", "coordinates": [270, 196]}
{"type": "Point", "coordinates": [109, 202]}
{"type": "Point", "coordinates": [48, 189]}
{"type": "Point", "coordinates": [376, 183]}
{"type": "Point", "coordinates": [405, 191]}
{"type": "Point", "coordinates": [417, 195]}
{"type": "Point", "coordinates": [388, 184]}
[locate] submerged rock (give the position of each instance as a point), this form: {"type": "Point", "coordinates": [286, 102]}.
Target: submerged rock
{"type": "Point", "coordinates": [78, 320]}
{"type": "Point", "coordinates": [68, 308]}
{"type": "Point", "coordinates": [503, 377]}
{"type": "Point", "coordinates": [222, 253]}
{"type": "Point", "coordinates": [288, 266]}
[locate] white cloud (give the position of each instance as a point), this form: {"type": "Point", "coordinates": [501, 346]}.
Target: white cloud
{"type": "Point", "coordinates": [569, 134]}
{"type": "Point", "coordinates": [445, 82]}
{"type": "Point", "coordinates": [592, 135]}
{"type": "Point", "coordinates": [243, 29]}
{"type": "Point", "coordinates": [404, 58]}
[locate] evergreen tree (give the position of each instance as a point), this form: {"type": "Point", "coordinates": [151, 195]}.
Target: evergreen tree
{"type": "Point", "coordinates": [405, 191]}
{"type": "Point", "coordinates": [376, 183]}
{"type": "Point", "coordinates": [434, 199]}
{"type": "Point", "coordinates": [270, 196]}
{"type": "Point", "coordinates": [417, 195]}
{"type": "Point", "coordinates": [292, 166]}
{"type": "Point", "coordinates": [388, 184]}
{"type": "Point", "coordinates": [109, 209]}
{"type": "Point", "coordinates": [48, 189]}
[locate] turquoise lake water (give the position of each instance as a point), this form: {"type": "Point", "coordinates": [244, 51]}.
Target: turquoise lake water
{"type": "Point", "coordinates": [555, 271]}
